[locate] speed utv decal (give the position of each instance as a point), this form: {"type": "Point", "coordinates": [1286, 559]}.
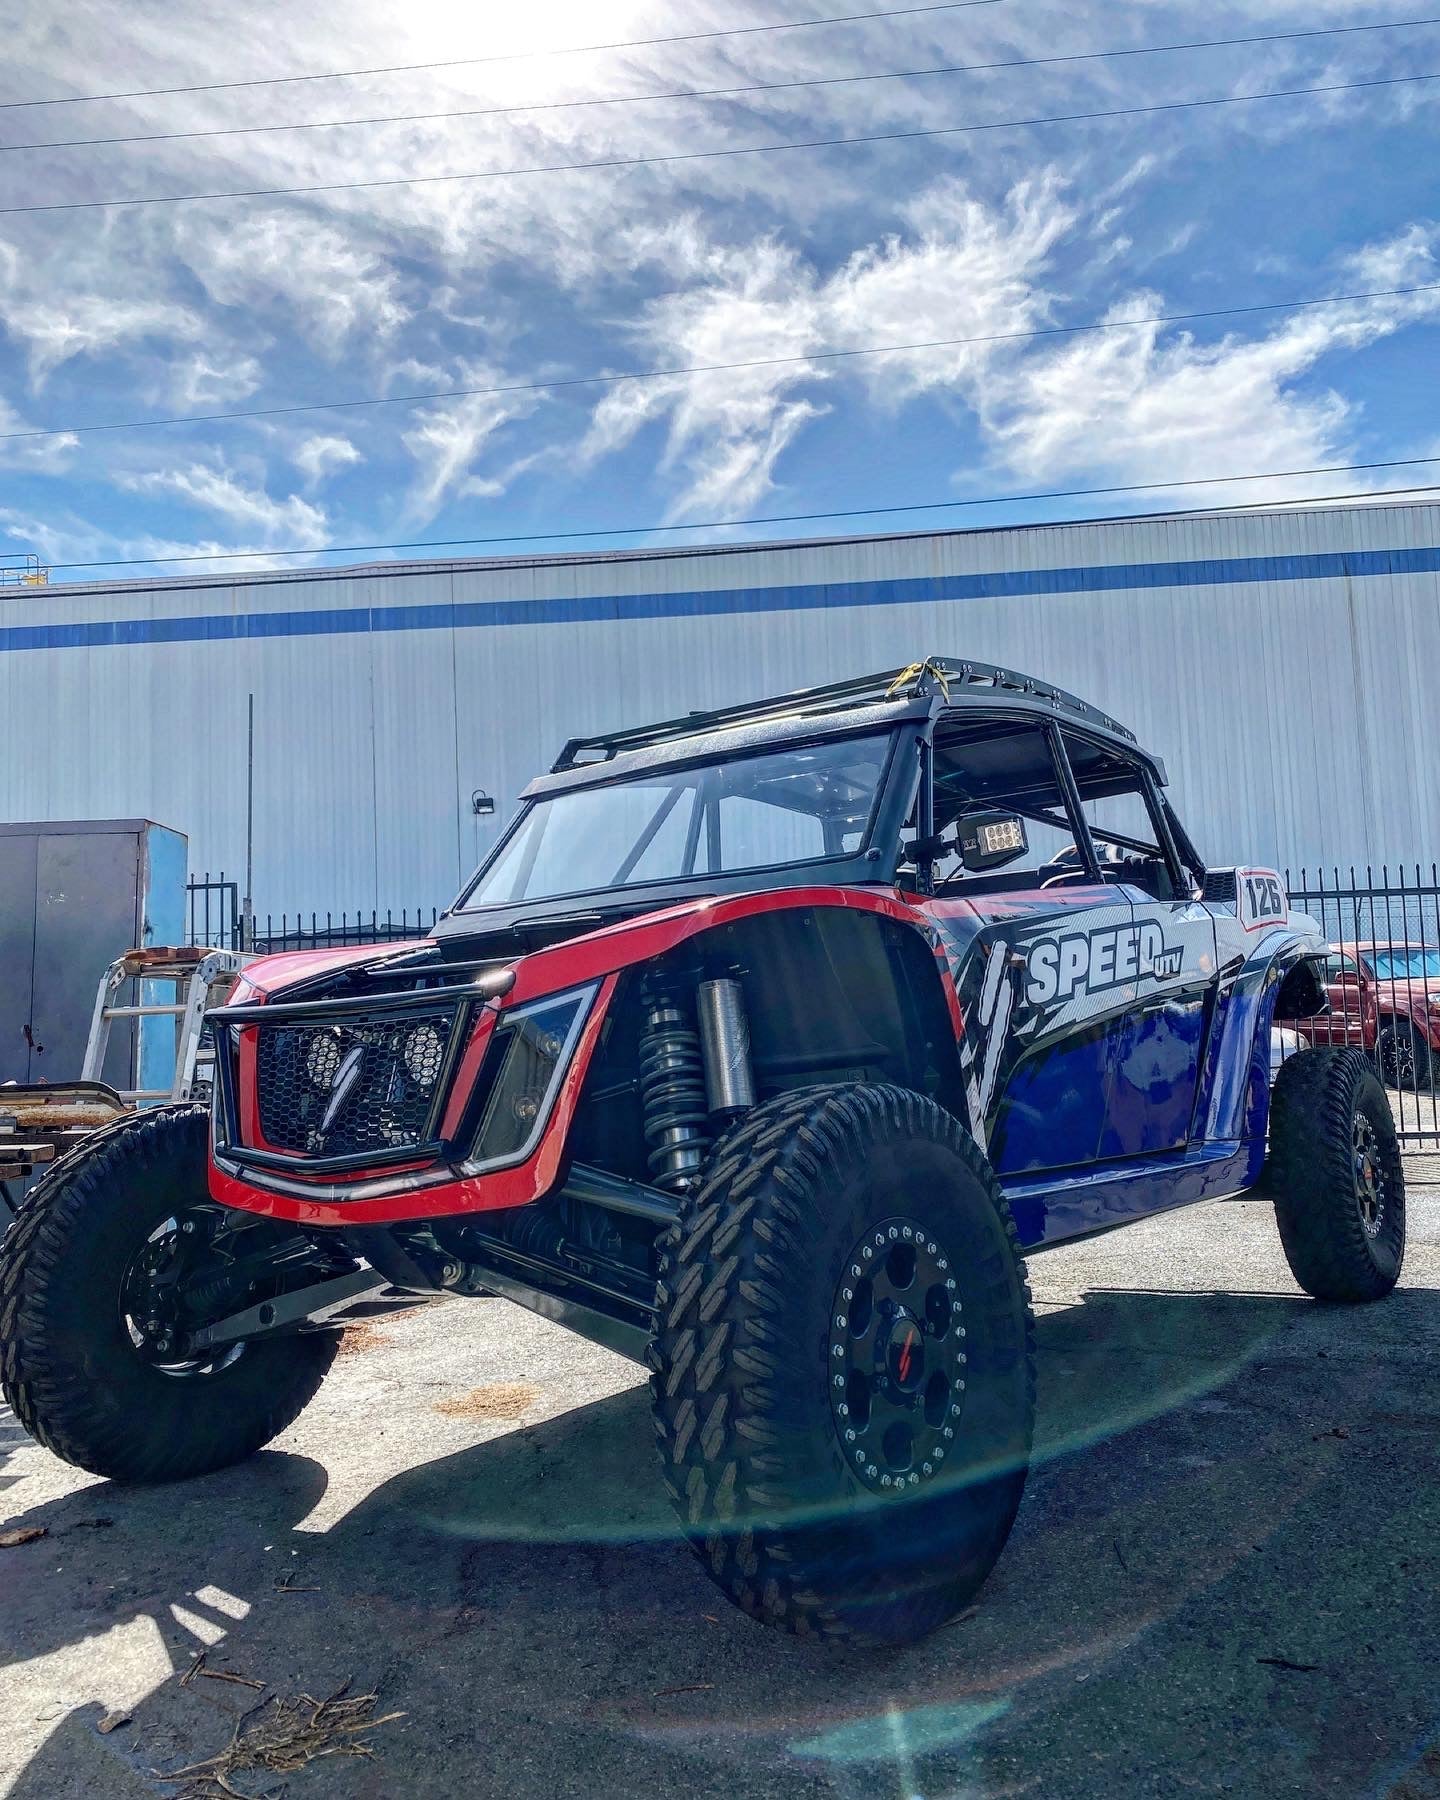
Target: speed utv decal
{"type": "Point", "coordinates": [1091, 962]}
{"type": "Point", "coordinates": [1260, 898]}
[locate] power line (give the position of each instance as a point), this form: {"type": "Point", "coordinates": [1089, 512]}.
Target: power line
{"type": "Point", "coordinates": [759, 87]}
{"type": "Point", "coordinates": [681, 156]}
{"type": "Point", "coordinates": [465, 62]}
{"type": "Point", "coordinates": [760, 362]}
{"type": "Point", "coordinates": [859, 512]}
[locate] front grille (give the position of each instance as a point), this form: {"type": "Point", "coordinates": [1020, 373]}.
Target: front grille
{"type": "Point", "coordinates": [351, 1087]}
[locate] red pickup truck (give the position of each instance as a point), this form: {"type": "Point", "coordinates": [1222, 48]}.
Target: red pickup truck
{"type": "Point", "coordinates": [1384, 999]}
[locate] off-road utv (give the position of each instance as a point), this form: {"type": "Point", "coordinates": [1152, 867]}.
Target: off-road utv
{"type": "Point", "coordinates": [763, 1047]}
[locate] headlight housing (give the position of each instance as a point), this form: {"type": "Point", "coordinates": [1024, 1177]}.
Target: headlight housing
{"type": "Point", "coordinates": [524, 1066]}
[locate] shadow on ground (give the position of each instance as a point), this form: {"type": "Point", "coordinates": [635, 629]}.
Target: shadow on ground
{"type": "Point", "coordinates": [1223, 1580]}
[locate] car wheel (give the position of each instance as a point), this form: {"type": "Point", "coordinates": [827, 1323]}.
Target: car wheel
{"type": "Point", "coordinates": [844, 1365]}
{"type": "Point", "coordinates": [1337, 1177]}
{"type": "Point", "coordinates": [91, 1276]}
{"type": "Point", "coordinates": [1404, 1057]}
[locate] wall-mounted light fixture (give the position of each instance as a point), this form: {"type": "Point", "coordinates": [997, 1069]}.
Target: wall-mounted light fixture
{"type": "Point", "coordinates": [481, 804]}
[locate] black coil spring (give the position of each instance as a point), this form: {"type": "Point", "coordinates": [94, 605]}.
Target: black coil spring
{"type": "Point", "coordinates": [672, 1089]}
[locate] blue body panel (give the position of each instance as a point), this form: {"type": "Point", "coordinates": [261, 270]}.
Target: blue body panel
{"type": "Point", "coordinates": [1081, 1202]}
{"type": "Point", "coordinates": [1053, 1106]}
{"type": "Point", "coordinates": [1153, 1080]}
{"type": "Point", "coordinates": [1116, 1056]}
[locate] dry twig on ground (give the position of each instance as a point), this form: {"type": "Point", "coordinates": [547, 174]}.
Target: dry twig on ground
{"type": "Point", "coordinates": [281, 1735]}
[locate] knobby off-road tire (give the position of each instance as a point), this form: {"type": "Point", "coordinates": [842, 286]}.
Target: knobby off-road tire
{"type": "Point", "coordinates": [744, 1382]}
{"type": "Point", "coordinates": [69, 1367]}
{"type": "Point", "coordinates": [1336, 1176]}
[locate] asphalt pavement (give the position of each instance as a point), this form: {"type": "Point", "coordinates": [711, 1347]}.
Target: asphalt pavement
{"type": "Point", "coordinates": [1224, 1577]}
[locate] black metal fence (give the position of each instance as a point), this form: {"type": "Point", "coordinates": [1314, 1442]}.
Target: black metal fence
{"type": "Point", "coordinates": [215, 918]}
{"type": "Point", "coordinates": [310, 931]}
{"type": "Point", "coordinates": [1384, 968]}
{"type": "Point", "coordinates": [214, 911]}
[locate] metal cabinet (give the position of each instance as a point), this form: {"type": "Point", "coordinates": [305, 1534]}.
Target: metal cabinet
{"type": "Point", "coordinates": [74, 895]}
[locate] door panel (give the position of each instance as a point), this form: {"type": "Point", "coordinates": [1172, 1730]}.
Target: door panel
{"type": "Point", "coordinates": [1159, 1049]}
{"type": "Point", "coordinates": [1039, 977]}
{"type": "Point", "coordinates": [85, 916]}
{"type": "Point", "coordinates": [17, 952]}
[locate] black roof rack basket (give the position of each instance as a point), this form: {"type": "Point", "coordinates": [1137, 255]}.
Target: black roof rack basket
{"type": "Point", "coordinates": [935, 675]}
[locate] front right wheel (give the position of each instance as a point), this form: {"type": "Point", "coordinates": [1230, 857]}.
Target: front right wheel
{"type": "Point", "coordinates": [844, 1365]}
{"type": "Point", "coordinates": [1336, 1176]}
{"type": "Point", "coordinates": [116, 1255]}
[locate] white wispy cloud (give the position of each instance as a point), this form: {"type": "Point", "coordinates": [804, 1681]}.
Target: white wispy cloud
{"type": "Point", "coordinates": [446, 441]}
{"type": "Point", "coordinates": [328, 281]}
{"type": "Point", "coordinates": [322, 454]}
{"type": "Point", "coordinates": [221, 491]}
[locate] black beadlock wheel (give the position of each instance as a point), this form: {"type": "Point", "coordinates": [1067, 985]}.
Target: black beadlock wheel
{"type": "Point", "coordinates": [92, 1353]}
{"type": "Point", "coordinates": [846, 1451]}
{"type": "Point", "coordinates": [1336, 1176]}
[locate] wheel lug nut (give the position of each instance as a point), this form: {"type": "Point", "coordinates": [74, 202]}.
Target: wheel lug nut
{"type": "Point", "coordinates": [850, 1435]}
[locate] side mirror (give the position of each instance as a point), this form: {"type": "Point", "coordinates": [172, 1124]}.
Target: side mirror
{"type": "Point", "coordinates": [989, 840]}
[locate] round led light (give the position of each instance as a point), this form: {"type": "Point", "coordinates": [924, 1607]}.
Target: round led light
{"type": "Point", "coordinates": [322, 1059]}
{"type": "Point", "coordinates": [422, 1054]}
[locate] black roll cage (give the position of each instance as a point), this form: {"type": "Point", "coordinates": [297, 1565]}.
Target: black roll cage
{"type": "Point", "coordinates": [910, 704]}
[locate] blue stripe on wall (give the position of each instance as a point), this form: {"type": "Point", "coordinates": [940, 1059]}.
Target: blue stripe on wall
{"type": "Point", "coordinates": [924, 590]}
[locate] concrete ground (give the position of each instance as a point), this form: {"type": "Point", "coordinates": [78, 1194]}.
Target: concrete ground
{"type": "Point", "coordinates": [1224, 1577]}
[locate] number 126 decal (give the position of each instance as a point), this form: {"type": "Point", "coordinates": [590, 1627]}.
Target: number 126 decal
{"type": "Point", "coordinates": [1260, 898]}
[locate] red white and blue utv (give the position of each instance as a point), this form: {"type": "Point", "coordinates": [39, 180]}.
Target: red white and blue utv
{"type": "Point", "coordinates": [764, 1047]}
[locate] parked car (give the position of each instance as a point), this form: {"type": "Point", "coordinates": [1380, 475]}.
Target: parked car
{"type": "Point", "coordinates": [1384, 999]}
{"type": "Point", "coordinates": [763, 1047]}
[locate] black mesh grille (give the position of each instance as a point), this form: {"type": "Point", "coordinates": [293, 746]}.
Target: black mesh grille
{"type": "Point", "coordinates": [352, 1087]}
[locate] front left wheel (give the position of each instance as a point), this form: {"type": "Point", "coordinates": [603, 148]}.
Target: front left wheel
{"type": "Point", "coordinates": [113, 1256]}
{"type": "Point", "coordinates": [844, 1365]}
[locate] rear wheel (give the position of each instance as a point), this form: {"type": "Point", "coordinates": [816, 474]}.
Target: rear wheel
{"type": "Point", "coordinates": [844, 1365]}
{"type": "Point", "coordinates": [116, 1257]}
{"type": "Point", "coordinates": [1337, 1177]}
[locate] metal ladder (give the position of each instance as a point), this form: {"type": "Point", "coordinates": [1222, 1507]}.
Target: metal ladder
{"type": "Point", "coordinates": [195, 974]}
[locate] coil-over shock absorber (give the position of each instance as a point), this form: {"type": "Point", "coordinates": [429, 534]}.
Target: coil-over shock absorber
{"type": "Point", "coordinates": [672, 1087]}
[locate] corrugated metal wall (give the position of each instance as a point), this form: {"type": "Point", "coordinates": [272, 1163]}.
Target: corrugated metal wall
{"type": "Point", "coordinates": [1286, 665]}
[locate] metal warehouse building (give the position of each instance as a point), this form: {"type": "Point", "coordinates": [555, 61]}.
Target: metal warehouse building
{"type": "Point", "coordinates": [1285, 663]}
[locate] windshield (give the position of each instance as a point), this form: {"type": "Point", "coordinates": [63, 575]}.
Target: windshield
{"type": "Point", "coordinates": [784, 807]}
{"type": "Point", "coordinates": [1403, 962]}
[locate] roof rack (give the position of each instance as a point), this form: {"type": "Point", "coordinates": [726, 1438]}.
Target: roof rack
{"type": "Point", "coordinates": [935, 675]}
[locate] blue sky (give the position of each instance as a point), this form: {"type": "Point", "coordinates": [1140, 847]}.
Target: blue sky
{"type": "Point", "coordinates": [117, 314]}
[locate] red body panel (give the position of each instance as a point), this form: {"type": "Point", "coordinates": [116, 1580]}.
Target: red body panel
{"type": "Point", "coordinates": [597, 956]}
